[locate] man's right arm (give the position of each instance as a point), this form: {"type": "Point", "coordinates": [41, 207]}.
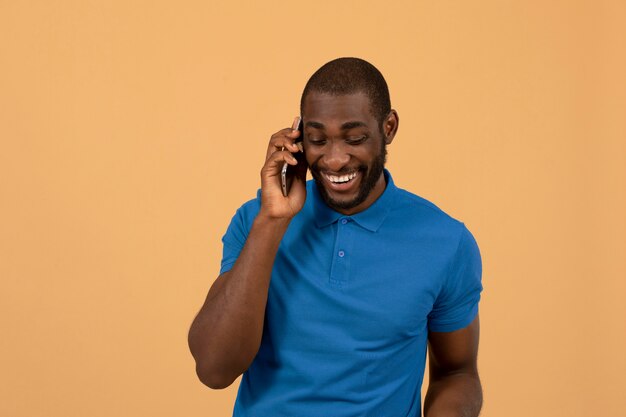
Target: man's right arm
{"type": "Point", "coordinates": [226, 334]}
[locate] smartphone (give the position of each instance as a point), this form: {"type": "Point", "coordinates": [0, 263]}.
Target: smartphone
{"type": "Point", "coordinates": [289, 171]}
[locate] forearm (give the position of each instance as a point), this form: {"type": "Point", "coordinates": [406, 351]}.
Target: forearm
{"type": "Point", "coordinates": [455, 395]}
{"type": "Point", "coordinates": [226, 334]}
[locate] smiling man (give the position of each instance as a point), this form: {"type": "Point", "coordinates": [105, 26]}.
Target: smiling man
{"type": "Point", "coordinates": [351, 179]}
{"type": "Point", "coordinates": [328, 298]}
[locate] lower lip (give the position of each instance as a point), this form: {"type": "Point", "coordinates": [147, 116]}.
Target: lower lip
{"type": "Point", "coordinates": [344, 186]}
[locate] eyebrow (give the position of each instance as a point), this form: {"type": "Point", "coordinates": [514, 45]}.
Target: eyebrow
{"type": "Point", "coordinates": [345, 126]}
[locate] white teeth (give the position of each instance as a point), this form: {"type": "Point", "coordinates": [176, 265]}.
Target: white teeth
{"type": "Point", "coordinates": [341, 179]}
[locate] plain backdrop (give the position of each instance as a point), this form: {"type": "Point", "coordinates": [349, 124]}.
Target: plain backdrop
{"type": "Point", "coordinates": [131, 131]}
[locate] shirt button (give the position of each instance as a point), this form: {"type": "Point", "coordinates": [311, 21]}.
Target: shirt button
{"type": "Point", "coordinates": [344, 221]}
{"type": "Point", "coordinates": [341, 254]}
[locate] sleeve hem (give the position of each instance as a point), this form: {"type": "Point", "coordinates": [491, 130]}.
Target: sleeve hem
{"type": "Point", "coordinates": [454, 325]}
{"type": "Point", "coordinates": [226, 267]}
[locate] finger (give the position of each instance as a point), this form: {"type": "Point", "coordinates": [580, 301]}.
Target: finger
{"type": "Point", "coordinates": [291, 133]}
{"type": "Point", "coordinates": [284, 138]}
{"type": "Point", "coordinates": [276, 161]}
{"type": "Point", "coordinates": [284, 144]}
{"type": "Point", "coordinates": [296, 123]}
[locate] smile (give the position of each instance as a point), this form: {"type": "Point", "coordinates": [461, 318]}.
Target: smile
{"type": "Point", "coordinates": [341, 179]}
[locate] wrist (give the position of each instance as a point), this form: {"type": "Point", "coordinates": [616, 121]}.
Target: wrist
{"type": "Point", "coordinates": [264, 219]}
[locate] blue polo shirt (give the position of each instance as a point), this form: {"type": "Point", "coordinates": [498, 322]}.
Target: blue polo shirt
{"type": "Point", "coordinates": [350, 304]}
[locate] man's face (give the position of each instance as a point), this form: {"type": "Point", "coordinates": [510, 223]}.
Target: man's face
{"type": "Point", "coordinates": [345, 149]}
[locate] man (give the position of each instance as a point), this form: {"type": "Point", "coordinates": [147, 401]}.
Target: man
{"type": "Point", "coordinates": [327, 298]}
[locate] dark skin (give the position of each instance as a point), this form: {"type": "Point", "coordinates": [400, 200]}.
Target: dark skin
{"type": "Point", "coordinates": [341, 137]}
{"type": "Point", "coordinates": [454, 388]}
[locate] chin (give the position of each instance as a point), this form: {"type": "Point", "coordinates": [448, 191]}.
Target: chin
{"type": "Point", "coordinates": [345, 203]}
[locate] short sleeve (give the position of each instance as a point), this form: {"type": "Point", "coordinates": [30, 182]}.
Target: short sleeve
{"type": "Point", "coordinates": [235, 237]}
{"type": "Point", "coordinates": [457, 304]}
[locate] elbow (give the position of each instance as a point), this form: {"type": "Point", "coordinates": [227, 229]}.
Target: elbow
{"type": "Point", "coordinates": [213, 379]}
{"type": "Point", "coordinates": [213, 368]}
{"type": "Point", "coordinates": [207, 370]}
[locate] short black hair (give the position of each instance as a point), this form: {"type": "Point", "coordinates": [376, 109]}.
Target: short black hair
{"type": "Point", "coordinates": [348, 76]}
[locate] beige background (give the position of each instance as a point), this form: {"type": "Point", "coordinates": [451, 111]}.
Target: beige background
{"type": "Point", "coordinates": [131, 131]}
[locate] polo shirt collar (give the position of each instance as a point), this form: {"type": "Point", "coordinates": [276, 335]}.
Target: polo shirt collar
{"type": "Point", "coordinates": [371, 218]}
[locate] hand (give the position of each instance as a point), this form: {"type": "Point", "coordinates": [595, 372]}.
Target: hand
{"type": "Point", "coordinates": [273, 203]}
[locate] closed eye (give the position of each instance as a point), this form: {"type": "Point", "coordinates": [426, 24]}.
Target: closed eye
{"type": "Point", "coordinates": [317, 142]}
{"type": "Point", "coordinates": [356, 141]}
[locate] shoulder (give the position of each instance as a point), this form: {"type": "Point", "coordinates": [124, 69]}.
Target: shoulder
{"type": "Point", "coordinates": [427, 214]}
{"type": "Point", "coordinates": [253, 205]}
{"type": "Point", "coordinates": [248, 211]}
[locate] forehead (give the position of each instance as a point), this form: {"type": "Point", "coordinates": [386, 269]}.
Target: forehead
{"type": "Point", "coordinates": [329, 108]}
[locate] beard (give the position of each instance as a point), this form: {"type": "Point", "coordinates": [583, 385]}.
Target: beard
{"type": "Point", "coordinates": [369, 178]}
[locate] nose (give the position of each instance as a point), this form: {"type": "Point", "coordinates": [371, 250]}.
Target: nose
{"type": "Point", "coordinates": [336, 156]}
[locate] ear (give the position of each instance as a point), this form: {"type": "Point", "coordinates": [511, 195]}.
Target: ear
{"type": "Point", "coordinates": [390, 126]}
